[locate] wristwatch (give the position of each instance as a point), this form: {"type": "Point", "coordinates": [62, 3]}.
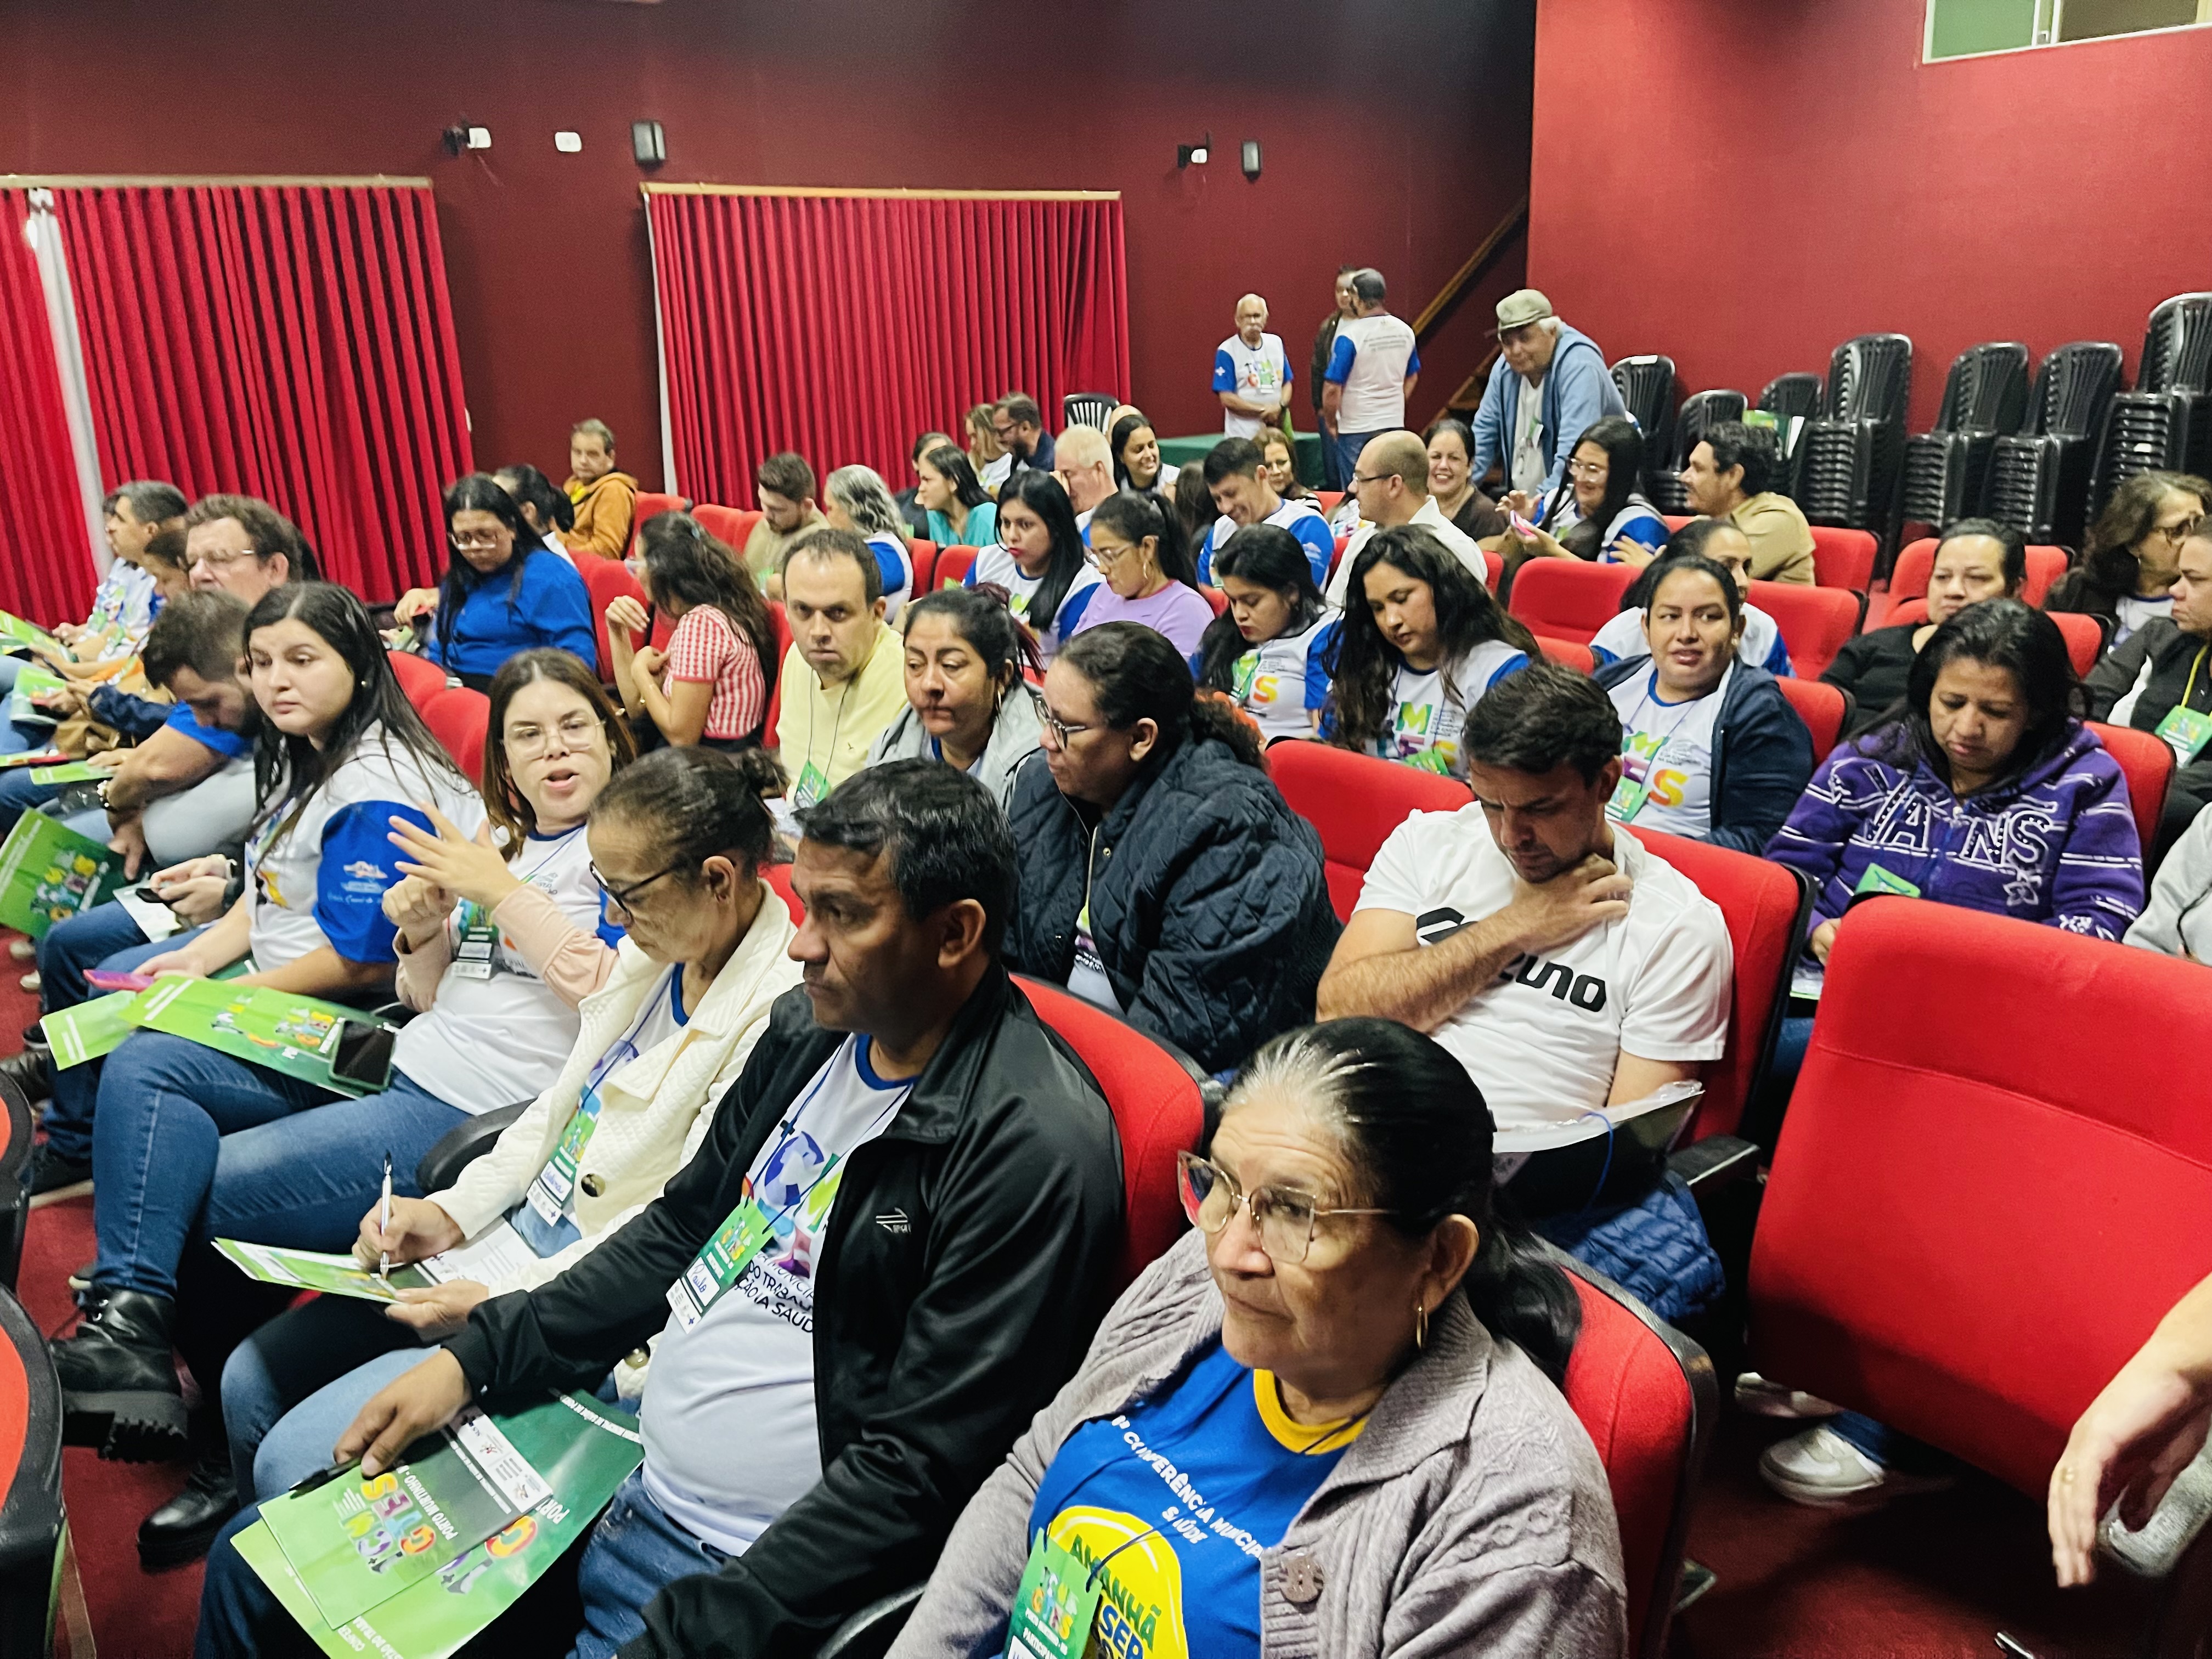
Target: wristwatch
{"type": "Point", "coordinates": [101, 790]}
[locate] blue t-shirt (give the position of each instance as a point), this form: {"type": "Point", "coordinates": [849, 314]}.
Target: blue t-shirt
{"type": "Point", "coordinates": [550, 606]}
{"type": "Point", "coordinates": [228, 744]}
{"type": "Point", "coordinates": [1221, 1471]}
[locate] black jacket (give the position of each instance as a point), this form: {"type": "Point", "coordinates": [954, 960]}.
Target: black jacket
{"type": "Point", "coordinates": [1209, 903]}
{"type": "Point", "coordinates": [971, 1254]}
{"type": "Point", "coordinates": [2158, 658]}
{"type": "Point", "coordinates": [1762, 755]}
{"type": "Point", "coordinates": [1875, 669]}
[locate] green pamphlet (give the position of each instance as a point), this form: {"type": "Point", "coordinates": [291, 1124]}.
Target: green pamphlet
{"type": "Point", "coordinates": [49, 872]}
{"type": "Point", "coordinates": [72, 772]}
{"type": "Point", "coordinates": [1879, 880]}
{"type": "Point", "coordinates": [16, 635]}
{"type": "Point", "coordinates": [90, 1029]}
{"type": "Point", "coordinates": [576, 1452]}
{"type": "Point", "coordinates": [296, 1034]}
{"type": "Point", "coordinates": [314, 1270]}
{"type": "Point", "coordinates": [30, 681]}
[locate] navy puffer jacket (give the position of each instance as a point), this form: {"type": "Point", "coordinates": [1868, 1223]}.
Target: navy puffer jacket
{"type": "Point", "coordinates": [1208, 902]}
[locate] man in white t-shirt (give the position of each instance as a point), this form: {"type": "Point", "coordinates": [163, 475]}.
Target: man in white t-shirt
{"type": "Point", "coordinates": [1391, 480]}
{"type": "Point", "coordinates": [1251, 373]}
{"type": "Point", "coordinates": [1563, 964]}
{"type": "Point", "coordinates": [1372, 370]}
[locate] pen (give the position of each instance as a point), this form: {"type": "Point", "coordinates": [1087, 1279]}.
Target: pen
{"type": "Point", "coordinates": [384, 1221]}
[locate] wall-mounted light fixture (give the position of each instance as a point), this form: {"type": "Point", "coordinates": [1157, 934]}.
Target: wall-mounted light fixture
{"type": "Point", "coordinates": [647, 144]}
{"type": "Point", "coordinates": [569, 144]}
{"type": "Point", "coordinates": [1196, 155]}
{"type": "Point", "coordinates": [460, 136]}
{"type": "Point", "coordinates": [1252, 159]}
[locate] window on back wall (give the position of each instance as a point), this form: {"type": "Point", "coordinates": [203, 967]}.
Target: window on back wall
{"type": "Point", "coordinates": [1967, 28]}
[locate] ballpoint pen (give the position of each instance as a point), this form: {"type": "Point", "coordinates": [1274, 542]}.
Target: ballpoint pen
{"type": "Point", "coordinates": [383, 1221]}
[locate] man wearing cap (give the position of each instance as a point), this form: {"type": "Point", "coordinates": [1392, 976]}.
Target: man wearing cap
{"type": "Point", "coordinates": [1530, 418]}
{"type": "Point", "coordinates": [1372, 370]}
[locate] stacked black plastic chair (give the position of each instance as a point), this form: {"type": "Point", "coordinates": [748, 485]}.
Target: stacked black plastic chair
{"type": "Point", "coordinates": [1851, 459]}
{"type": "Point", "coordinates": [1792, 399]}
{"type": "Point", "coordinates": [1947, 470]}
{"type": "Point", "coordinates": [1647, 386]}
{"type": "Point", "coordinates": [1086, 409]}
{"type": "Point", "coordinates": [1699, 411]}
{"type": "Point", "coordinates": [2039, 479]}
{"type": "Point", "coordinates": [2166, 421]}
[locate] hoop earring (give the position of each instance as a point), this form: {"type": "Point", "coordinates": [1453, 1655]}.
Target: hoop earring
{"type": "Point", "coordinates": [1420, 1324]}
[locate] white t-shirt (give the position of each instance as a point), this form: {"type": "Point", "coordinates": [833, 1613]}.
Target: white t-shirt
{"type": "Point", "coordinates": [1259, 374]}
{"type": "Point", "coordinates": [1528, 468]}
{"type": "Point", "coordinates": [2133, 611]}
{"type": "Point", "coordinates": [1666, 756]}
{"type": "Point", "coordinates": [1431, 518]}
{"type": "Point", "coordinates": [1622, 640]}
{"type": "Point", "coordinates": [323, 881]}
{"type": "Point", "coordinates": [997, 564]}
{"type": "Point", "coordinates": [728, 1414]}
{"type": "Point", "coordinates": [1549, 1032]}
{"type": "Point", "coordinates": [1087, 977]}
{"type": "Point", "coordinates": [894, 564]}
{"type": "Point", "coordinates": [1371, 360]}
{"type": "Point", "coordinates": [997, 473]}
{"type": "Point", "coordinates": [1432, 706]}
{"type": "Point", "coordinates": [497, 1033]}
{"type": "Point", "coordinates": [1300, 517]}
{"type": "Point", "coordinates": [1280, 682]}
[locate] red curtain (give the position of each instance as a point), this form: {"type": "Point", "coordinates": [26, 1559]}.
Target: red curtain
{"type": "Point", "coordinates": [292, 342]}
{"type": "Point", "coordinates": [840, 326]}
{"type": "Point", "coordinates": [47, 571]}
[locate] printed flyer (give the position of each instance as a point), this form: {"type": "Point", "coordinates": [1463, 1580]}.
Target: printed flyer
{"type": "Point", "coordinates": [30, 682]}
{"type": "Point", "coordinates": [49, 872]}
{"type": "Point", "coordinates": [314, 1270]}
{"type": "Point", "coordinates": [16, 635]}
{"type": "Point", "coordinates": [294, 1035]}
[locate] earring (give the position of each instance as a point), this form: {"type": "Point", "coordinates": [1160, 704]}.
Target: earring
{"type": "Point", "coordinates": [1420, 1323]}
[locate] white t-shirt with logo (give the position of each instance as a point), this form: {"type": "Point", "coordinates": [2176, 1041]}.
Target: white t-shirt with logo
{"type": "Point", "coordinates": [490, 1039]}
{"type": "Point", "coordinates": [1622, 640]}
{"type": "Point", "coordinates": [728, 1415]}
{"type": "Point", "coordinates": [1371, 360]}
{"type": "Point", "coordinates": [1259, 374]}
{"type": "Point", "coordinates": [1300, 517]}
{"type": "Point", "coordinates": [998, 564]}
{"type": "Point", "coordinates": [1550, 1030]}
{"type": "Point", "coordinates": [1432, 706]}
{"type": "Point", "coordinates": [1666, 756]}
{"type": "Point", "coordinates": [1281, 682]}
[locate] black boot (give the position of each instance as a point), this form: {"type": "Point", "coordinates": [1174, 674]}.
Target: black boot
{"type": "Point", "coordinates": [119, 1383]}
{"type": "Point", "coordinates": [182, 1529]}
{"type": "Point", "coordinates": [31, 1072]}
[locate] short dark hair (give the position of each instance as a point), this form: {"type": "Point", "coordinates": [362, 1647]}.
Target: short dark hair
{"type": "Point", "coordinates": [269, 531]}
{"type": "Point", "coordinates": [925, 443]}
{"type": "Point", "coordinates": [943, 834]}
{"type": "Point", "coordinates": [1367, 284]}
{"type": "Point", "coordinates": [151, 501]}
{"type": "Point", "coordinates": [1232, 456]}
{"type": "Point", "coordinates": [2026, 644]}
{"type": "Point", "coordinates": [787, 474]}
{"type": "Point", "coordinates": [1022, 409]}
{"type": "Point", "coordinates": [1751, 447]}
{"type": "Point", "coordinates": [1545, 716]}
{"type": "Point", "coordinates": [2006, 536]}
{"type": "Point", "coordinates": [204, 632]}
{"type": "Point", "coordinates": [829, 542]}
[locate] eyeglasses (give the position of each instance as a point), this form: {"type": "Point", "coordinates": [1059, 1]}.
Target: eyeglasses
{"type": "Point", "coordinates": [528, 742]}
{"type": "Point", "coordinates": [1061, 731]}
{"type": "Point", "coordinates": [1371, 477]}
{"type": "Point", "coordinates": [1588, 469]}
{"type": "Point", "coordinates": [624, 899]}
{"type": "Point", "coordinates": [1105, 558]}
{"type": "Point", "coordinates": [478, 538]}
{"type": "Point", "coordinates": [1284, 1217]}
{"type": "Point", "coordinates": [2175, 534]}
{"type": "Point", "coordinates": [220, 561]}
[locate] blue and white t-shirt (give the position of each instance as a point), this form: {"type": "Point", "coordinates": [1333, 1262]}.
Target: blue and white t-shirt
{"type": "Point", "coordinates": [231, 745]}
{"type": "Point", "coordinates": [496, 1032]}
{"type": "Point", "coordinates": [1432, 706]}
{"type": "Point", "coordinates": [895, 562]}
{"type": "Point", "coordinates": [322, 879]}
{"type": "Point", "coordinates": [997, 564]}
{"type": "Point", "coordinates": [1666, 756]}
{"type": "Point", "coordinates": [1622, 640]}
{"type": "Point", "coordinates": [1259, 374]}
{"type": "Point", "coordinates": [1300, 517]}
{"type": "Point", "coordinates": [1370, 360]}
{"type": "Point", "coordinates": [125, 599]}
{"type": "Point", "coordinates": [1281, 682]}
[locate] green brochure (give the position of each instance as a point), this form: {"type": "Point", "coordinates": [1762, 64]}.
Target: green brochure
{"type": "Point", "coordinates": [73, 772]}
{"type": "Point", "coordinates": [31, 680]}
{"type": "Point", "coordinates": [312, 1270]}
{"type": "Point", "coordinates": [294, 1035]}
{"type": "Point", "coordinates": [90, 1029]}
{"type": "Point", "coordinates": [319, 1551]}
{"type": "Point", "coordinates": [16, 635]}
{"type": "Point", "coordinates": [49, 872]}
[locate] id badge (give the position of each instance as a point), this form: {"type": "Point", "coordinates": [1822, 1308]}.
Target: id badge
{"type": "Point", "coordinates": [1628, 798]}
{"type": "Point", "coordinates": [1056, 1608]}
{"type": "Point", "coordinates": [716, 1268]}
{"type": "Point", "coordinates": [1879, 880]}
{"type": "Point", "coordinates": [2186, 732]}
{"type": "Point", "coordinates": [556, 1184]}
{"type": "Point", "coordinates": [473, 958]}
{"type": "Point", "coordinates": [813, 784]}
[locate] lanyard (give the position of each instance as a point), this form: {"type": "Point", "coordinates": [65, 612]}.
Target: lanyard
{"type": "Point", "coordinates": [554, 1187]}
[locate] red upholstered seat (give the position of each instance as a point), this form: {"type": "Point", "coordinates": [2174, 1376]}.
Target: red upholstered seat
{"type": "Point", "coordinates": [419, 677]}
{"type": "Point", "coordinates": [730, 526]}
{"type": "Point", "coordinates": [1646, 1394]}
{"type": "Point", "coordinates": [778, 876]}
{"type": "Point", "coordinates": [1984, 1198]}
{"type": "Point", "coordinates": [1567, 599]}
{"type": "Point", "coordinates": [1824, 709]}
{"type": "Point", "coordinates": [2085, 633]}
{"type": "Point", "coordinates": [1493, 569]}
{"type": "Point", "coordinates": [607, 580]}
{"type": "Point", "coordinates": [2148, 763]}
{"type": "Point", "coordinates": [1354, 801]}
{"type": "Point", "coordinates": [650, 502]}
{"type": "Point", "coordinates": [1568, 652]}
{"type": "Point", "coordinates": [953, 564]}
{"type": "Point", "coordinates": [782, 624]}
{"type": "Point", "coordinates": [1842, 558]}
{"type": "Point", "coordinates": [1815, 621]}
{"type": "Point", "coordinates": [1215, 597]}
{"type": "Point", "coordinates": [460, 720]}
{"type": "Point", "coordinates": [1766, 906]}
{"type": "Point", "coordinates": [924, 554]}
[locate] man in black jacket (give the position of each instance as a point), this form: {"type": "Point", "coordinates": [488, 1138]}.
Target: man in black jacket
{"type": "Point", "coordinates": [2159, 679]}
{"type": "Point", "coordinates": [819, 1410]}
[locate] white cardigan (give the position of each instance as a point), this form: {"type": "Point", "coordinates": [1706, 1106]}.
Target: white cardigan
{"type": "Point", "coordinates": [654, 1110]}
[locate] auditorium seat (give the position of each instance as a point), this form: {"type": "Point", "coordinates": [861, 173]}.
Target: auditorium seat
{"type": "Point", "coordinates": [650, 503]}
{"type": "Point", "coordinates": [1336, 558]}
{"type": "Point", "coordinates": [1328, 500]}
{"type": "Point", "coordinates": [32, 1522]}
{"type": "Point", "coordinates": [1826, 710]}
{"type": "Point", "coordinates": [460, 720]}
{"type": "Point", "coordinates": [782, 624]}
{"type": "Point", "coordinates": [1989, 1188]}
{"type": "Point", "coordinates": [1567, 652]}
{"type": "Point", "coordinates": [1215, 597]}
{"type": "Point", "coordinates": [1815, 621]}
{"type": "Point", "coordinates": [1676, 521]}
{"type": "Point", "coordinates": [1354, 802]}
{"type": "Point", "coordinates": [15, 1123]}
{"type": "Point", "coordinates": [419, 677]}
{"type": "Point", "coordinates": [2085, 633]}
{"type": "Point", "coordinates": [778, 876]}
{"type": "Point", "coordinates": [923, 556]}
{"type": "Point", "coordinates": [731, 525]}
{"type": "Point", "coordinates": [953, 564]}
{"type": "Point", "coordinates": [1908, 580]}
{"type": "Point", "coordinates": [608, 580]}
{"type": "Point", "coordinates": [2147, 764]}
{"type": "Point", "coordinates": [1646, 1394]}
{"type": "Point", "coordinates": [1567, 599]}
{"type": "Point", "coordinates": [1493, 569]}
{"type": "Point", "coordinates": [1842, 558]}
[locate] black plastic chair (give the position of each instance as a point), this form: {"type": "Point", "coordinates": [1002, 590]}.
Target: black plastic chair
{"type": "Point", "coordinates": [1792, 399]}
{"type": "Point", "coordinates": [1946, 468]}
{"type": "Point", "coordinates": [15, 1202]}
{"type": "Point", "coordinates": [462, 1146]}
{"type": "Point", "coordinates": [1087, 408]}
{"type": "Point", "coordinates": [1850, 462]}
{"type": "Point", "coordinates": [2039, 480]}
{"type": "Point", "coordinates": [2166, 421]}
{"type": "Point", "coordinates": [1699, 411]}
{"type": "Point", "coordinates": [32, 1522]}
{"type": "Point", "coordinates": [1648, 386]}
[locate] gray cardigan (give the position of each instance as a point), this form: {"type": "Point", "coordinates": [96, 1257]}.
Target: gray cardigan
{"type": "Point", "coordinates": [1471, 1516]}
{"type": "Point", "coordinates": [1013, 743]}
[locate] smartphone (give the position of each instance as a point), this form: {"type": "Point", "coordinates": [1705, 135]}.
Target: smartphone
{"type": "Point", "coordinates": [153, 898]}
{"type": "Point", "coordinates": [364, 1056]}
{"type": "Point", "coordinates": [1523, 524]}
{"type": "Point", "coordinates": [101, 980]}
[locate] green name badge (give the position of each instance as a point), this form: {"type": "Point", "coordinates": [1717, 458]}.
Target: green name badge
{"type": "Point", "coordinates": [2186, 732]}
{"type": "Point", "coordinates": [1628, 798]}
{"type": "Point", "coordinates": [1055, 1608]}
{"type": "Point", "coordinates": [1879, 880]}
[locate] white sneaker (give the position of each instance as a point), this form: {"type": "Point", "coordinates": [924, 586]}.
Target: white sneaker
{"type": "Point", "coordinates": [1822, 1470]}
{"type": "Point", "coordinates": [1754, 1393]}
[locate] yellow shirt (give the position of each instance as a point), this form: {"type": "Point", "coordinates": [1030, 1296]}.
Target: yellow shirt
{"type": "Point", "coordinates": [823, 737]}
{"type": "Point", "coordinates": [1781, 542]}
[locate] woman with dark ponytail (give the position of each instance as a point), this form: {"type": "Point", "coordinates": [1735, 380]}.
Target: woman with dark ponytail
{"type": "Point", "coordinates": [1345, 1297]}
{"type": "Point", "coordinates": [1162, 876]}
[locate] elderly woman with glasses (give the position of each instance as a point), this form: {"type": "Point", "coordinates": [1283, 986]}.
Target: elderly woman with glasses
{"type": "Point", "coordinates": [504, 591]}
{"type": "Point", "coordinates": [1327, 1421]}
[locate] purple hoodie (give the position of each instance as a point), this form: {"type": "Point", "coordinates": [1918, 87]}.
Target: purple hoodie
{"type": "Point", "coordinates": [2056, 844]}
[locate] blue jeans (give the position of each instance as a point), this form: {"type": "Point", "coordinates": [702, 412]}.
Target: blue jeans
{"type": "Point", "coordinates": [632, 1553]}
{"type": "Point", "coordinates": [102, 937]}
{"type": "Point", "coordinates": [1347, 446]}
{"type": "Point", "coordinates": [291, 1389]}
{"type": "Point", "coordinates": [19, 795]}
{"type": "Point", "coordinates": [188, 1140]}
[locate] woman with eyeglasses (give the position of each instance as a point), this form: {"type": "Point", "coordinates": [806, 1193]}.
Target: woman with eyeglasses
{"type": "Point", "coordinates": [711, 685]}
{"type": "Point", "coordinates": [1040, 560]}
{"type": "Point", "coordinates": [504, 591]}
{"type": "Point", "coordinates": [1597, 513]}
{"type": "Point", "coordinates": [1138, 546]}
{"type": "Point", "coordinates": [1329, 1419]}
{"type": "Point", "coordinates": [2132, 555]}
{"type": "Point", "coordinates": [676, 844]}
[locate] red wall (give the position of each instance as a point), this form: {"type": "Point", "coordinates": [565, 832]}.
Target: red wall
{"type": "Point", "coordinates": [1394, 135]}
{"type": "Point", "coordinates": [1742, 183]}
